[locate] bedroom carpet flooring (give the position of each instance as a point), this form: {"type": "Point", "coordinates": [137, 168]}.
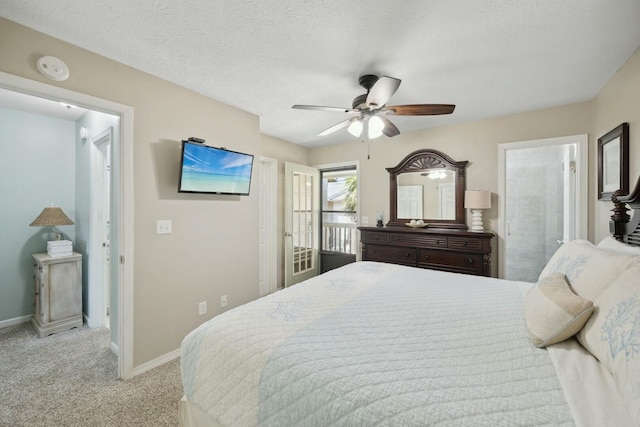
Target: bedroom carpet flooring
{"type": "Point", "coordinates": [69, 379]}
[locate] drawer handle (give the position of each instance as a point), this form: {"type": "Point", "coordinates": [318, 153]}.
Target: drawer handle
{"type": "Point", "coordinates": [395, 238]}
{"type": "Point", "coordinates": [426, 257]}
{"type": "Point", "coordinates": [375, 237]}
{"type": "Point", "coordinates": [470, 260]}
{"type": "Point", "coordinates": [373, 251]}
{"type": "Point", "coordinates": [465, 243]}
{"type": "Point", "coordinates": [439, 242]}
{"type": "Point", "coordinates": [408, 255]}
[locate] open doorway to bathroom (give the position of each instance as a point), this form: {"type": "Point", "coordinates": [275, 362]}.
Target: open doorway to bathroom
{"type": "Point", "coordinates": [543, 203]}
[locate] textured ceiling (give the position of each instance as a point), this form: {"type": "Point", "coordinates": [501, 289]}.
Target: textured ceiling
{"type": "Point", "coordinates": [489, 57]}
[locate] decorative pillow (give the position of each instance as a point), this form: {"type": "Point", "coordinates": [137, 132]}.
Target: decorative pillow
{"type": "Point", "coordinates": [612, 334]}
{"type": "Point", "coordinates": [612, 244]}
{"type": "Point", "coordinates": [553, 312]}
{"type": "Point", "coordinates": [588, 269]}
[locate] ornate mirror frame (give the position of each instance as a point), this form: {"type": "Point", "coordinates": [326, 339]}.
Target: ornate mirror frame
{"type": "Point", "coordinates": [423, 160]}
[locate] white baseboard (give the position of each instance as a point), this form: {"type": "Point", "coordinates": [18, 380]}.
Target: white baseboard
{"type": "Point", "coordinates": [114, 348]}
{"type": "Point", "coordinates": [156, 362]}
{"type": "Point", "coordinates": [14, 321]}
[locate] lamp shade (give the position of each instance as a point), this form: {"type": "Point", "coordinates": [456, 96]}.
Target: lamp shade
{"type": "Point", "coordinates": [51, 216]}
{"type": "Point", "coordinates": [477, 199]}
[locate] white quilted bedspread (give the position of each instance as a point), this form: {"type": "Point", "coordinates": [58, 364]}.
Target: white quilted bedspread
{"type": "Point", "coordinates": [375, 344]}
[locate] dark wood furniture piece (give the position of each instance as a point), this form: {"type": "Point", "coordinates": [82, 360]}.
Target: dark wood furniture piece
{"type": "Point", "coordinates": [622, 226]}
{"type": "Point", "coordinates": [456, 251]}
{"type": "Point", "coordinates": [420, 163]}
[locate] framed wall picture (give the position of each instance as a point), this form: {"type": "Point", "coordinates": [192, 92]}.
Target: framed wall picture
{"type": "Point", "coordinates": [613, 162]}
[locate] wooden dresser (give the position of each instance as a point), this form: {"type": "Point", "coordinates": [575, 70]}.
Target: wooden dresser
{"type": "Point", "coordinates": [438, 249]}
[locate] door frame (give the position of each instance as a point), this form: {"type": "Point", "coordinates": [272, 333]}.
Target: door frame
{"type": "Point", "coordinates": [122, 193]}
{"type": "Point", "coordinates": [97, 314]}
{"type": "Point", "coordinates": [582, 182]}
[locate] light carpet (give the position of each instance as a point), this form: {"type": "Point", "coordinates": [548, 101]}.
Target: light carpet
{"type": "Point", "coordinates": [70, 379]}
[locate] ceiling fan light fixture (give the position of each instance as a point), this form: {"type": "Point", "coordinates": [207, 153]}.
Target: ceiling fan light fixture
{"type": "Point", "coordinates": [355, 128]}
{"type": "Point", "coordinates": [376, 125]}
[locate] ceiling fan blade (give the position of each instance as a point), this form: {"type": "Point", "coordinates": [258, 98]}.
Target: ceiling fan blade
{"type": "Point", "coordinates": [382, 91]}
{"type": "Point", "coordinates": [337, 127]}
{"type": "Point", "coordinates": [321, 108]}
{"type": "Point", "coordinates": [390, 129]}
{"type": "Point", "coordinates": [420, 109]}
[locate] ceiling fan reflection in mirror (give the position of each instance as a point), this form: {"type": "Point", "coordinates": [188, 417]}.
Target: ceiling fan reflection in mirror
{"type": "Point", "coordinates": [369, 110]}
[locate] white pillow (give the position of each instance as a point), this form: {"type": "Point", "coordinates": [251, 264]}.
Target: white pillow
{"type": "Point", "coordinates": [612, 244]}
{"type": "Point", "coordinates": [553, 312]}
{"type": "Point", "coordinates": [612, 334]}
{"type": "Point", "coordinates": [588, 269]}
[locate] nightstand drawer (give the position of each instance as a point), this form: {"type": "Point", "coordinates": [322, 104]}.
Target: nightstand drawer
{"type": "Point", "coordinates": [374, 237]}
{"type": "Point", "coordinates": [391, 254]}
{"type": "Point", "coordinates": [455, 260]}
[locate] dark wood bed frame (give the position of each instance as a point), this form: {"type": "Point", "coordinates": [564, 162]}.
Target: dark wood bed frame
{"type": "Point", "coordinates": [622, 226]}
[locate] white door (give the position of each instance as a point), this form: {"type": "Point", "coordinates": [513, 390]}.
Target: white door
{"type": "Point", "coordinates": [542, 202]}
{"type": "Point", "coordinates": [100, 234]}
{"type": "Point", "coordinates": [302, 208]}
{"type": "Point", "coordinates": [447, 197]}
{"type": "Point", "coordinates": [268, 225]}
{"type": "Point", "coordinates": [410, 201]}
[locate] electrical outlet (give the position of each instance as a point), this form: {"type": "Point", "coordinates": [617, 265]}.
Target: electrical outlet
{"type": "Point", "coordinates": [223, 301]}
{"type": "Point", "coordinates": [163, 226]}
{"type": "Point", "coordinates": [364, 220]}
{"type": "Point", "coordinates": [202, 308]}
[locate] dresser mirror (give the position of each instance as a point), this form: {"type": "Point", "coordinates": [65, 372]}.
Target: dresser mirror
{"type": "Point", "coordinates": [428, 185]}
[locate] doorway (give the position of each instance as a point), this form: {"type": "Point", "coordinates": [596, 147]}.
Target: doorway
{"type": "Point", "coordinates": [121, 206]}
{"type": "Point", "coordinates": [338, 219]}
{"type": "Point", "coordinates": [543, 203]}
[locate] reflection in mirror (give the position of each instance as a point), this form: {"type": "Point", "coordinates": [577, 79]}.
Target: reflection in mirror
{"type": "Point", "coordinates": [428, 194]}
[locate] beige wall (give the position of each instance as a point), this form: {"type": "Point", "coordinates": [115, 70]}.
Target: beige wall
{"type": "Point", "coordinates": [476, 142]}
{"type": "Point", "coordinates": [213, 249]}
{"type": "Point", "coordinates": [617, 102]}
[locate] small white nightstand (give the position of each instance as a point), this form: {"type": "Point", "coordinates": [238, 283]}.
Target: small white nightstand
{"type": "Point", "coordinates": [58, 293]}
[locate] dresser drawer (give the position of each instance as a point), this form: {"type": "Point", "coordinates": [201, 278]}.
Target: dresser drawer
{"type": "Point", "coordinates": [433, 241]}
{"type": "Point", "coordinates": [374, 237]}
{"type": "Point", "coordinates": [458, 261]}
{"type": "Point", "coordinates": [466, 243]}
{"type": "Point", "coordinates": [392, 254]}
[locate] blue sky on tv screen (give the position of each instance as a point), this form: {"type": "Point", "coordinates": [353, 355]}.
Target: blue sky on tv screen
{"type": "Point", "coordinates": [203, 159]}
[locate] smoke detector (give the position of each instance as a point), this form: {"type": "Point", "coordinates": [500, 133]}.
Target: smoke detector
{"type": "Point", "coordinates": [53, 68]}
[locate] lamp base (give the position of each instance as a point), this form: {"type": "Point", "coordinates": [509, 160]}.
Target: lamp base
{"type": "Point", "coordinates": [476, 221]}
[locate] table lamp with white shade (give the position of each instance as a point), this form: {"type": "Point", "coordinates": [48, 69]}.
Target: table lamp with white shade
{"type": "Point", "coordinates": [476, 200]}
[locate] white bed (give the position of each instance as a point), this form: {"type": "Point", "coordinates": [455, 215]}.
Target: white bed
{"type": "Point", "coordinates": [382, 344]}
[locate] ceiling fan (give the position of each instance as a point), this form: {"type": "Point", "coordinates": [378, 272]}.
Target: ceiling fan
{"type": "Point", "coordinates": [370, 109]}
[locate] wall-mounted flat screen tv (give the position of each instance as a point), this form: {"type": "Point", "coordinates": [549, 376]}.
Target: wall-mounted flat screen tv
{"type": "Point", "coordinates": [205, 169]}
